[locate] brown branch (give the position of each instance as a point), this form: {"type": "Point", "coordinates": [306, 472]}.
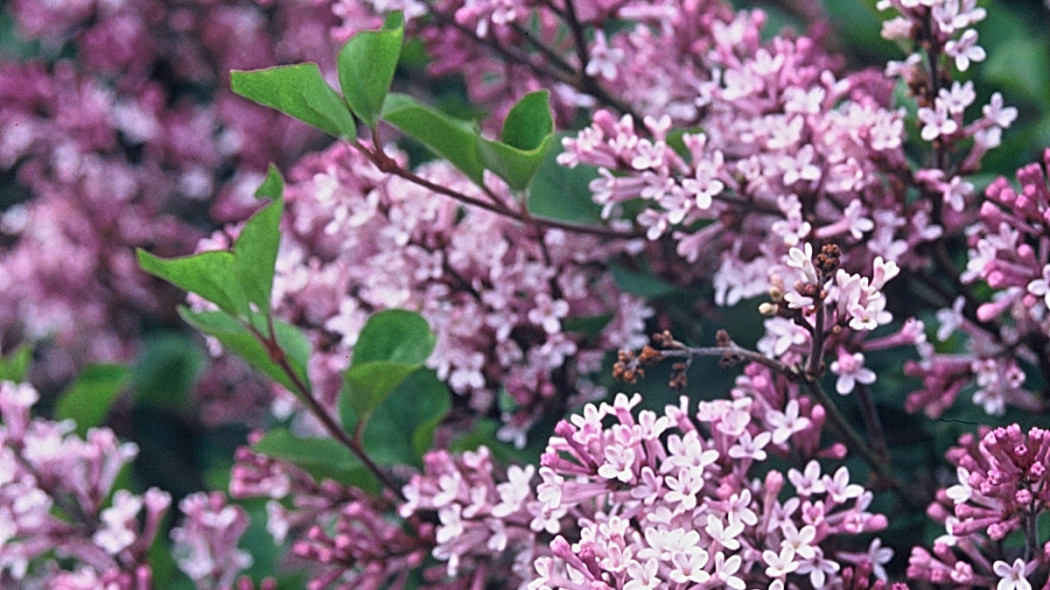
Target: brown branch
{"type": "Point", "coordinates": [388, 165]}
{"type": "Point", "coordinates": [838, 422]}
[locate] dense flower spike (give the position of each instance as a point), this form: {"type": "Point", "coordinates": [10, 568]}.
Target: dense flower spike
{"type": "Point", "coordinates": [675, 500]}
{"type": "Point", "coordinates": [787, 151]}
{"type": "Point", "coordinates": [1000, 491]}
{"type": "Point", "coordinates": [54, 490]}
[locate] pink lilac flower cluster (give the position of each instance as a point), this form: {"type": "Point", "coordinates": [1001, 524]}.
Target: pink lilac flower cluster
{"type": "Point", "coordinates": [992, 539]}
{"type": "Point", "coordinates": [1008, 252]}
{"type": "Point", "coordinates": [205, 543]}
{"type": "Point", "coordinates": [61, 523]}
{"type": "Point", "coordinates": [487, 530]}
{"type": "Point", "coordinates": [506, 48]}
{"type": "Point", "coordinates": [789, 154]}
{"type": "Point", "coordinates": [500, 295]}
{"type": "Point", "coordinates": [119, 131]}
{"type": "Point", "coordinates": [672, 501]}
{"type": "Point", "coordinates": [781, 132]}
{"type": "Point", "coordinates": [681, 499]}
{"type": "Point", "coordinates": [943, 35]}
{"type": "Point", "coordinates": [791, 158]}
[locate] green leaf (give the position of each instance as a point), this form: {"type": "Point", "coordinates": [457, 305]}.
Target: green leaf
{"type": "Point", "coordinates": [299, 91]}
{"type": "Point", "coordinates": [392, 345]}
{"type": "Point", "coordinates": [528, 132]}
{"type": "Point", "coordinates": [236, 338]}
{"type": "Point", "coordinates": [232, 279]}
{"type": "Point", "coordinates": [447, 137]}
{"type": "Point", "coordinates": [401, 430]}
{"type": "Point", "coordinates": [208, 274]}
{"type": "Point", "coordinates": [88, 399]}
{"type": "Point", "coordinates": [529, 124]}
{"type": "Point", "coordinates": [367, 385]}
{"type": "Point", "coordinates": [14, 366]}
{"type": "Point", "coordinates": [562, 193]}
{"type": "Point", "coordinates": [273, 186]}
{"type": "Point", "coordinates": [366, 68]}
{"type": "Point", "coordinates": [322, 458]}
{"type": "Point", "coordinates": [255, 254]}
{"type": "Point", "coordinates": [394, 335]}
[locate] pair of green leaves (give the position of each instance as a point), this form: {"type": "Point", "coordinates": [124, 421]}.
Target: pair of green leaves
{"type": "Point", "coordinates": [366, 66]}
{"type": "Point", "coordinates": [366, 69]}
{"type": "Point", "coordinates": [239, 282]}
{"type": "Point", "coordinates": [389, 401]}
{"type": "Point", "coordinates": [527, 136]}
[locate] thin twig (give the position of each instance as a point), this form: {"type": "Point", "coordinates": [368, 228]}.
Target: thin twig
{"type": "Point", "coordinates": [388, 165]}
{"type": "Point", "coordinates": [837, 420]}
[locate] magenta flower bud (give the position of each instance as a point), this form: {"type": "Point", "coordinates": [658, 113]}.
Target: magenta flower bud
{"type": "Point", "coordinates": [564, 429]}
{"type": "Point", "coordinates": [876, 522]}
{"type": "Point", "coordinates": [1023, 497]}
{"type": "Point", "coordinates": [773, 484]}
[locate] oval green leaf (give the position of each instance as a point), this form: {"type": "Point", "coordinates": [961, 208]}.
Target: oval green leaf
{"type": "Point", "coordinates": [299, 91]}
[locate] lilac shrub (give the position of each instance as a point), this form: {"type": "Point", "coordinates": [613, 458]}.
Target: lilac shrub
{"type": "Point", "coordinates": [728, 167]}
{"type": "Point", "coordinates": [1001, 491]}
{"type": "Point", "coordinates": [789, 181]}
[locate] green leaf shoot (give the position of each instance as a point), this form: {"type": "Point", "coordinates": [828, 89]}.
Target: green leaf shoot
{"type": "Point", "coordinates": [366, 68]}
{"type": "Point", "coordinates": [299, 91]}
{"type": "Point", "coordinates": [445, 136]}
{"type": "Point", "coordinates": [528, 132]}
